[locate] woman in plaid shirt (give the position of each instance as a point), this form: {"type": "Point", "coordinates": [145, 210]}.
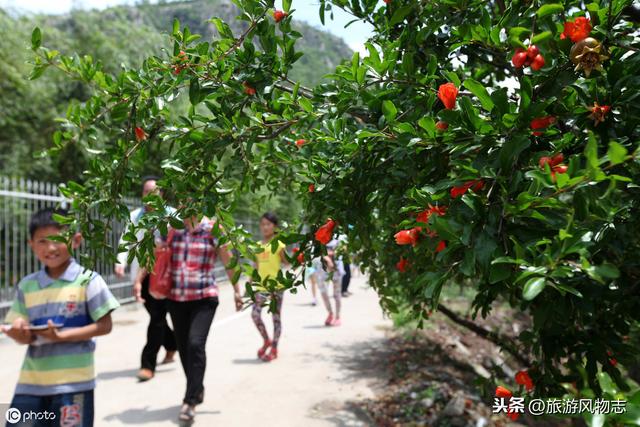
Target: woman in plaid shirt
{"type": "Point", "coordinates": [193, 301]}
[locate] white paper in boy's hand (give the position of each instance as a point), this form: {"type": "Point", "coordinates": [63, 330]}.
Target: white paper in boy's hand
{"type": "Point", "coordinates": [44, 327]}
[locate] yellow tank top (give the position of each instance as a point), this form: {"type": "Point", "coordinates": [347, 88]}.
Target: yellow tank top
{"type": "Point", "coordinates": [269, 263]}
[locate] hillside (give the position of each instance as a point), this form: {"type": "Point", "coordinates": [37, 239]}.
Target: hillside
{"type": "Point", "coordinates": [118, 36]}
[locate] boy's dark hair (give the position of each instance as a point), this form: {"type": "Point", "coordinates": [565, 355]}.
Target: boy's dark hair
{"type": "Point", "coordinates": [44, 218]}
{"type": "Point", "coordinates": [271, 217]}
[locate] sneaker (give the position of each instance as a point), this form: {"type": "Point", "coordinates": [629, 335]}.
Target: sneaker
{"type": "Point", "coordinates": [144, 375]}
{"type": "Point", "coordinates": [273, 354]}
{"type": "Point", "coordinates": [329, 320]}
{"type": "Point", "coordinates": [264, 349]}
{"type": "Point", "coordinates": [336, 322]}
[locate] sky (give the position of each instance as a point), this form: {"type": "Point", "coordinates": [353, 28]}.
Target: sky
{"type": "Point", "coordinates": [307, 10]}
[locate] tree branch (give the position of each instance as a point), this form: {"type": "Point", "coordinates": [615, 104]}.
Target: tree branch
{"type": "Point", "coordinates": [502, 341]}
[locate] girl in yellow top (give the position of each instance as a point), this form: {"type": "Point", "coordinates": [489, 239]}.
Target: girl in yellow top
{"type": "Point", "coordinates": [268, 264]}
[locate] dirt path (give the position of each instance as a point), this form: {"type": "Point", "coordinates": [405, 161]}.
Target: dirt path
{"type": "Point", "coordinates": [319, 369]}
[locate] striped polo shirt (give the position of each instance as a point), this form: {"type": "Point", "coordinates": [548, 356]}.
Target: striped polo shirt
{"type": "Point", "coordinates": [77, 298]}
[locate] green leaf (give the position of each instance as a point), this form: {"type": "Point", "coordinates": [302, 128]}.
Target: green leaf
{"type": "Point", "coordinates": [305, 104]}
{"type": "Point", "coordinates": [389, 110]}
{"type": "Point", "coordinates": [427, 123]}
{"type": "Point", "coordinates": [617, 153]}
{"type": "Point", "coordinates": [36, 38]}
{"type": "Point", "coordinates": [194, 91]}
{"type": "Point", "coordinates": [479, 90]}
{"type": "Point", "coordinates": [549, 9]}
{"type": "Point", "coordinates": [541, 37]}
{"type": "Point", "coordinates": [176, 26]}
{"type": "Point", "coordinates": [533, 287]}
{"type": "Point", "coordinates": [286, 5]}
{"type": "Point", "coordinates": [400, 14]}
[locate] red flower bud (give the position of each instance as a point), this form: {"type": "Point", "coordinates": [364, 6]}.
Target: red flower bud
{"type": "Point", "coordinates": [560, 169]}
{"type": "Point", "coordinates": [300, 142]}
{"type": "Point", "coordinates": [312, 188]}
{"type": "Point", "coordinates": [279, 15]}
{"type": "Point", "coordinates": [408, 237]}
{"type": "Point", "coordinates": [248, 89]}
{"type": "Point", "coordinates": [141, 135]}
{"type": "Point", "coordinates": [538, 62]}
{"type": "Point", "coordinates": [503, 392]}
{"type": "Point", "coordinates": [557, 159]}
{"type": "Point", "coordinates": [541, 123]}
{"type": "Point", "coordinates": [532, 51]}
{"type": "Point", "coordinates": [523, 378]}
{"type": "Point", "coordinates": [442, 126]}
{"type": "Point", "coordinates": [543, 161]}
{"type": "Point", "coordinates": [442, 245]}
{"type": "Point", "coordinates": [519, 58]}
{"type": "Point", "coordinates": [402, 265]}
{"type": "Point", "coordinates": [447, 93]}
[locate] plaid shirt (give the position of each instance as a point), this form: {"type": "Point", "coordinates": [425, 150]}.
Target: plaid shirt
{"type": "Point", "coordinates": [193, 257]}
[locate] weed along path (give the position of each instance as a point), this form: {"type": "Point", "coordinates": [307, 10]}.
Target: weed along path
{"type": "Point", "coordinates": [311, 383]}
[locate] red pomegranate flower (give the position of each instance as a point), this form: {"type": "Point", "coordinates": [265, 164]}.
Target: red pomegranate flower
{"type": "Point", "coordinates": [577, 30]}
{"type": "Point", "coordinates": [523, 378]}
{"type": "Point", "coordinates": [442, 245]}
{"type": "Point", "coordinates": [447, 93]}
{"type": "Point", "coordinates": [555, 164]}
{"type": "Point", "coordinates": [300, 142]}
{"type": "Point", "coordinates": [141, 135]}
{"type": "Point", "coordinates": [402, 265]}
{"type": "Point", "coordinates": [424, 216]}
{"type": "Point", "coordinates": [475, 185]}
{"type": "Point", "coordinates": [408, 237]}
{"type": "Point", "coordinates": [312, 188]}
{"type": "Point", "coordinates": [541, 123]}
{"type": "Point", "coordinates": [325, 232]}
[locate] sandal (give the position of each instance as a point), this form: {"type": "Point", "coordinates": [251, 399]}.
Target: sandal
{"type": "Point", "coordinates": [273, 354]}
{"type": "Point", "coordinates": [329, 320]}
{"type": "Point", "coordinates": [264, 349]}
{"type": "Point", "coordinates": [170, 357]}
{"type": "Point", "coordinates": [187, 413]}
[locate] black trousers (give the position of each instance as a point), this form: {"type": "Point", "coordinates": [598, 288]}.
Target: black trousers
{"type": "Point", "coordinates": [159, 334]}
{"type": "Point", "coordinates": [346, 279]}
{"type": "Point", "coordinates": [192, 322]}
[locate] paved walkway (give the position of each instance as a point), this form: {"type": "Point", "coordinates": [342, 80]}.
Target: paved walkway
{"type": "Point", "coordinates": [319, 368]}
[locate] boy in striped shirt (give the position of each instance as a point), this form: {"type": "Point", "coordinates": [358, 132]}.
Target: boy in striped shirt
{"type": "Point", "coordinates": [70, 305]}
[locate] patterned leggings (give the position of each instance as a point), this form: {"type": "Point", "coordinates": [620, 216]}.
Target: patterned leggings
{"type": "Point", "coordinates": [256, 315]}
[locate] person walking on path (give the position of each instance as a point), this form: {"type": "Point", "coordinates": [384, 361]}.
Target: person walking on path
{"type": "Point", "coordinates": [159, 334]}
{"type": "Point", "coordinates": [269, 263]}
{"type": "Point", "coordinates": [57, 312]}
{"type": "Point", "coordinates": [329, 268]}
{"type": "Point", "coordinates": [193, 301]}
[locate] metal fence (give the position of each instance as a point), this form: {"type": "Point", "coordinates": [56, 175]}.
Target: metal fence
{"type": "Point", "coordinates": [19, 199]}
